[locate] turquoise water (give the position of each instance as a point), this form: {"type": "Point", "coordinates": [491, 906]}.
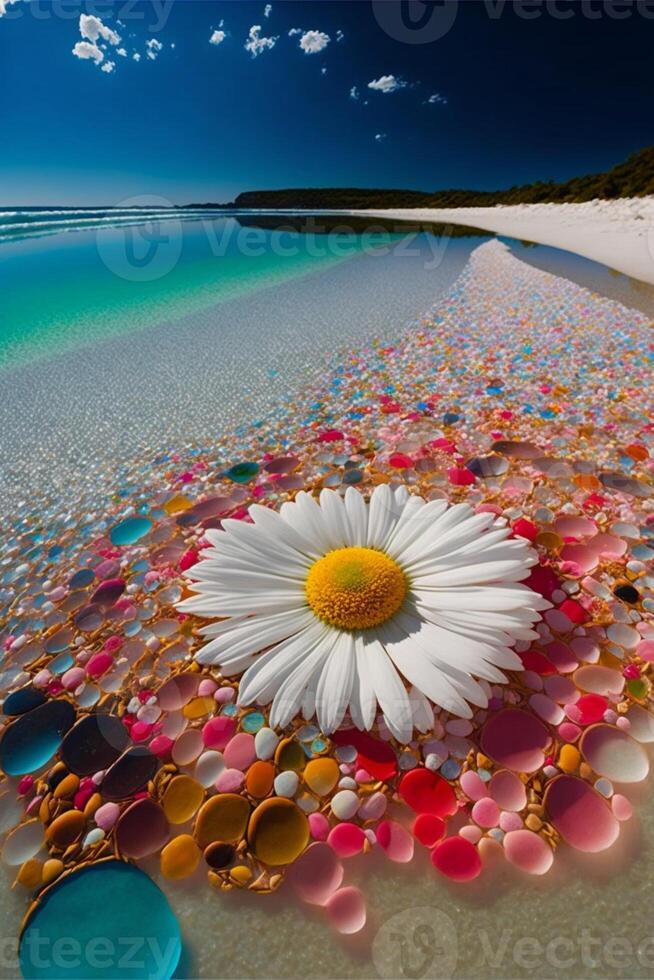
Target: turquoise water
{"type": "Point", "coordinates": [65, 291]}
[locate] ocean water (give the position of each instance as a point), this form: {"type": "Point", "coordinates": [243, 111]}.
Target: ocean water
{"type": "Point", "coordinates": [99, 367]}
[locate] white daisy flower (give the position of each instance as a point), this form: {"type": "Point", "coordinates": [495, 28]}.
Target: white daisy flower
{"type": "Point", "coordinates": [343, 606]}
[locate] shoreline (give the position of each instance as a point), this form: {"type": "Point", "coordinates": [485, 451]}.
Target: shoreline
{"type": "Point", "coordinates": [618, 233]}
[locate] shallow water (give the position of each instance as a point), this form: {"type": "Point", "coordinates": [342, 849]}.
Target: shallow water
{"type": "Point", "coordinates": [194, 376]}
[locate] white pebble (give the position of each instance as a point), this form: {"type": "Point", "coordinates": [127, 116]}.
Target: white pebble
{"type": "Point", "coordinates": [286, 783]}
{"type": "Point", "coordinates": [345, 804]}
{"type": "Point", "coordinates": [265, 743]}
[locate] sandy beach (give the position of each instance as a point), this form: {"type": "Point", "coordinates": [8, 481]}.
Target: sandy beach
{"type": "Point", "coordinates": [618, 233]}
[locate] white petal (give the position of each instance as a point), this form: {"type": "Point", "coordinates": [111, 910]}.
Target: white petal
{"type": "Point", "coordinates": [389, 689]}
{"type": "Point", "coordinates": [335, 518]}
{"type": "Point", "coordinates": [383, 512]}
{"type": "Point", "coordinates": [363, 702]}
{"type": "Point", "coordinates": [253, 635]}
{"type": "Point", "coordinates": [305, 516]}
{"type": "Point", "coordinates": [272, 666]}
{"type": "Point", "coordinates": [357, 513]}
{"type": "Point", "coordinates": [290, 693]}
{"type": "Point", "coordinates": [335, 684]}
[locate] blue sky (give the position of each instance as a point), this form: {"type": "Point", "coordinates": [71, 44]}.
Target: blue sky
{"type": "Point", "coordinates": [517, 94]}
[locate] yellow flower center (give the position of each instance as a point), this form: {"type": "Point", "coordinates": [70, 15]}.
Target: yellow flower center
{"type": "Point", "coordinates": [355, 588]}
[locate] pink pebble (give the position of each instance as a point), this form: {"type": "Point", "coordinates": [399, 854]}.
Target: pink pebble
{"type": "Point", "coordinates": [529, 852]}
{"type": "Point", "coordinates": [316, 874]}
{"type": "Point", "coordinates": [347, 839]}
{"type": "Point", "coordinates": [396, 841]}
{"type": "Point", "coordinates": [319, 826]}
{"type": "Point", "coordinates": [623, 723]}
{"type": "Point", "coordinates": [206, 688]}
{"type": "Point", "coordinates": [472, 785]}
{"type": "Point", "coordinates": [224, 695]}
{"type": "Point", "coordinates": [508, 790]}
{"type": "Point", "coordinates": [240, 752]}
{"type": "Point", "coordinates": [82, 797]}
{"type": "Point", "coordinates": [486, 812]}
{"type": "Point", "coordinates": [363, 776]}
{"type": "Point", "coordinates": [347, 910]}
{"type": "Point", "coordinates": [218, 731]}
{"type": "Point", "coordinates": [645, 650]}
{"type": "Point", "coordinates": [106, 816]}
{"type": "Point", "coordinates": [99, 664]}
{"type": "Point", "coordinates": [42, 679]}
{"type": "Point", "coordinates": [510, 821]}
{"type": "Point", "coordinates": [25, 785]}
{"type": "Point", "coordinates": [140, 731]}
{"type": "Point", "coordinates": [457, 859]}
{"type": "Point", "coordinates": [569, 732]}
{"type": "Point", "coordinates": [471, 832]}
{"type": "Point", "coordinates": [230, 780]}
{"type": "Point", "coordinates": [72, 679]}
{"type": "Point", "coordinates": [161, 746]}
{"type": "Point", "coordinates": [621, 807]}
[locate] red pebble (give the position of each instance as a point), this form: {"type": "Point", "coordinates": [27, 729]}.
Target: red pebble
{"type": "Point", "coordinates": [427, 792]}
{"type": "Point", "coordinates": [25, 785]}
{"type": "Point", "coordinates": [428, 829]}
{"type": "Point", "coordinates": [141, 731]}
{"type": "Point", "coordinates": [218, 731]}
{"type": "Point", "coordinates": [532, 660]}
{"type": "Point", "coordinates": [375, 756]}
{"type": "Point", "coordinates": [459, 476]}
{"type": "Point", "coordinates": [574, 611]}
{"type": "Point", "coordinates": [188, 559]}
{"type": "Point", "coordinates": [591, 708]}
{"type": "Point", "coordinates": [82, 797]}
{"type": "Point", "coordinates": [99, 664]}
{"type": "Point", "coordinates": [161, 746]}
{"type": "Point", "coordinates": [346, 839]}
{"type": "Point", "coordinates": [457, 859]}
{"type": "Point", "coordinates": [543, 580]}
{"type": "Point", "coordinates": [525, 529]}
{"type": "Point", "coordinates": [400, 461]}
{"type": "Point", "coordinates": [331, 435]}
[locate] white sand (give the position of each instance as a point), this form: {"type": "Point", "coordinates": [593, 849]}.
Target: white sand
{"type": "Point", "coordinates": [619, 234]}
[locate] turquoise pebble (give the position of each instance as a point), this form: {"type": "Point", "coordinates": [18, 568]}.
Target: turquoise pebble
{"type": "Point", "coordinates": [89, 922]}
{"type": "Point", "coordinates": [129, 531]}
{"type": "Point", "coordinates": [252, 722]}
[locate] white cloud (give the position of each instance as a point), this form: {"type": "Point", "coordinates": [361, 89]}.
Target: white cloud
{"type": "Point", "coordinates": [386, 84]}
{"type": "Point", "coordinates": [436, 98]}
{"type": "Point", "coordinates": [294, 30]}
{"type": "Point", "coordinates": [354, 92]}
{"type": "Point", "coordinates": [256, 44]}
{"type": "Point", "coordinates": [108, 67]}
{"type": "Point", "coordinates": [122, 52]}
{"type": "Point", "coordinates": [136, 56]}
{"type": "Point", "coordinates": [88, 51]}
{"type": "Point", "coordinates": [339, 35]}
{"type": "Point", "coordinates": [92, 29]}
{"type": "Point", "coordinates": [380, 137]}
{"type": "Point", "coordinates": [323, 71]}
{"type": "Point", "coordinates": [267, 10]}
{"type": "Point", "coordinates": [217, 37]}
{"type": "Point", "coordinates": [312, 42]}
{"type": "Point", "coordinates": [153, 48]}
{"type": "Point", "coordinates": [4, 4]}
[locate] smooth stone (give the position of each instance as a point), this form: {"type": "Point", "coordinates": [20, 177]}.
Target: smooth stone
{"type": "Point", "coordinates": [219, 855]}
{"type": "Point", "coordinates": [25, 699]}
{"type": "Point", "coordinates": [188, 747]}
{"type": "Point", "coordinates": [94, 743]}
{"type": "Point", "coordinates": [141, 830]}
{"type": "Point", "coordinates": [23, 843]}
{"type": "Point", "coordinates": [508, 791]}
{"type": "Point", "coordinates": [106, 816]}
{"type": "Point", "coordinates": [286, 783]}
{"type": "Point", "coordinates": [180, 857]}
{"type": "Point", "coordinates": [278, 832]}
{"type": "Point", "coordinates": [321, 775]}
{"type": "Point", "coordinates": [486, 812]}
{"type": "Point", "coordinates": [66, 828]}
{"type": "Point", "coordinates": [101, 904]}
{"type": "Point", "coordinates": [373, 807]}
{"type": "Point", "coordinates": [396, 841]}
{"type": "Point", "coordinates": [472, 785]}
{"type": "Point", "coordinates": [614, 754]}
{"type": "Point", "coordinates": [346, 840]}
{"type": "Point", "coordinates": [129, 531]}
{"type": "Point", "coordinates": [28, 743]}
{"type": "Point", "coordinates": [427, 792]}
{"type": "Point", "coordinates": [131, 772]}
{"type": "Point", "coordinates": [182, 799]}
{"type": "Point", "coordinates": [217, 732]}
{"type": "Point", "coordinates": [596, 679]}
{"type": "Point", "coordinates": [621, 807]}
{"type": "Point", "coordinates": [428, 829]}
{"type": "Point", "coordinates": [222, 818]}
{"type": "Point", "coordinates": [641, 723]}
{"type": "Point", "coordinates": [208, 767]}
{"type": "Point", "coordinates": [93, 837]}
{"type": "Point", "coordinates": [178, 691]}
{"type": "Point", "coordinates": [345, 804]}
{"type": "Point", "coordinates": [346, 909]}
{"type": "Point", "coordinates": [319, 826]}
{"type": "Point", "coordinates": [290, 755]}
{"type": "Point", "coordinates": [457, 858]}
{"type": "Point", "coordinates": [259, 779]}
{"type": "Point", "coordinates": [580, 814]}
{"type": "Point", "coordinates": [240, 752]}
{"type": "Point", "coordinates": [265, 743]}
{"type": "Point", "coordinates": [515, 739]}
{"type": "Point", "coordinates": [316, 874]}
{"type": "Point", "coordinates": [529, 852]}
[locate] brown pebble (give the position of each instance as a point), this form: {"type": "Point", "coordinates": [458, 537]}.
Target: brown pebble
{"type": "Point", "coordinates": [66, 829]}
{"type": "Point", "coordinates": [219, 855]}
{"type": "Point", "coordinates": [259, 779]}
{"type": "Point", "coordinates": [67, 787]}
{"type": "Point", "coordinates": [51, 870]}
{"type": "Point", "coordinates": [30, 874]}
{"type": "Point", "coordinates": [533, 822]}
{"type": "Point", "coordinates": [94, 803]}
